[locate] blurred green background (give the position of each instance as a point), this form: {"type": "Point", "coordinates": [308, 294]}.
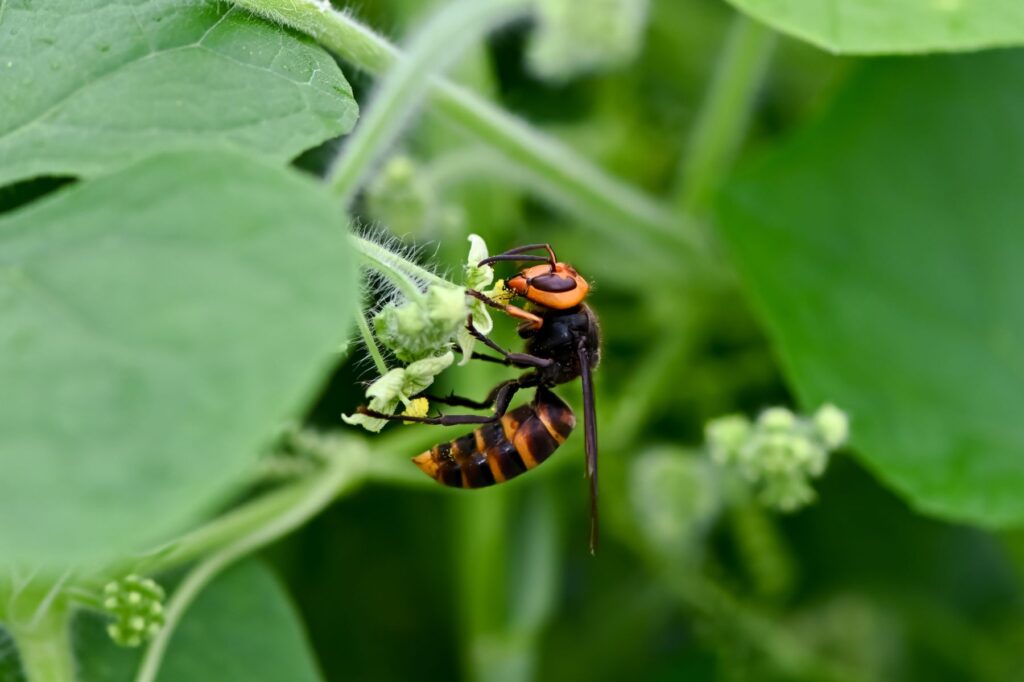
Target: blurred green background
{"type": "Point", "coordinates": [694, 580]}
{"type": "Point", "coordinates": [497, 584]}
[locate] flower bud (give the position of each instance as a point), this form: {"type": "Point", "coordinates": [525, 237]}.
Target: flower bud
{"type": "Point", "coordinates": [401, 198]}
{"type": "Point", "coordinates": [579, 37]}
{"type": "Point", "coordinates": [136, 603]}
{"type": "Point", "coordinates": [780, 453]}
{"type": "Point", "coordinates": [675, 497]}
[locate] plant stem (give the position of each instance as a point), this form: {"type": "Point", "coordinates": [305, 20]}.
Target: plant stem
{"type": "Point", "coordinates": [481, 563]}
{"type": "Point", "coordinates": [404, 274]}
{"type": "Point", "coordinates": [44, 645]}
{"type": "Point", "coordinates": [344, 470]}
{"type": "Point", "coordinates": [371, 344]}
{"type": "Point", "coordinates": [340, 474]}
{"type": "Point", "coordinates": [473, 164]}
{"type": "Point", "coordinates": [401, 92]}
{"type": "Point", "coordinates": [788, 654]}
{"type": "Point", "coordinates": [725, 113]}
{"type": "Point", "coordinates": [581, 186]}
{"type": "Point", "coordinates": [226, 529]}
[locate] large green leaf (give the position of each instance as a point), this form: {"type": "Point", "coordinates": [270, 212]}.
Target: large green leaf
{"type": "Point", "coordinates": [87, 86]}
{"type": "Point", "coordinates": [241, 627]}
{"type": "Point", "coordinates": [894, 26]}
{"type": "Point", "coordinates": [883, 247]}
{"type": "Point", "coordinates": [156, 327]}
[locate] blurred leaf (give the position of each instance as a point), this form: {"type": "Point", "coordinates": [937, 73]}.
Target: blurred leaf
{"type": "Point", "coordinates": [93, 85]}
{"type": "Point", "coordinates": [883, 249]}
{"type": "Point", "coordinates": [97, 657]}
{"type": "Point", "coordinates": [158, 325]}
{"type": "Point", "coordinates": [242, 627]}
{"type": "Point", "coordinates": [10, 664]}
{"type": "Point", "coordinates": [894, 26]}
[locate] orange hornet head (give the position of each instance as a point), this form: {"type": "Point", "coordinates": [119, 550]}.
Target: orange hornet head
{"type": "Point", "coordinates": [559, 288]}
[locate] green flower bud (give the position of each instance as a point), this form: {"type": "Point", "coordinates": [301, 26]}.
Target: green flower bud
{"type": "Point", "coordinates": [136, 604]}
{"type": "Point", "coordinates": [575, 37]}
{"type": "Point", "coordinates": [675, 497]}
{"type": "Point", "coordinates": [725, 436]}
{"type": "Point", "coordinates": [416, 330]}
{"type": "Point", "coordinates": [833, 425]}
{"type": "Point", "coordinates": [779, 454]}
{"type": "Point", "coordinates": [401, 197]}
{"type": "Point", "coordinates": [776, 419]}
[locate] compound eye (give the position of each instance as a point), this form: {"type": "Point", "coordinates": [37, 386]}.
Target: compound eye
{"type": "Point", "coordinates": [552, 283]}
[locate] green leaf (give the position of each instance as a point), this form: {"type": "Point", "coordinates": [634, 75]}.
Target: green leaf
{"type": "Point", "coordinates": [157, 326]}
{"type": "Point", "coordinates": [87, 86]}
{"type": "Point", "coordinates": [883, 247]}
{"type": "Point", "coordinates": [894, 26]}
{"type": "Point", "coordinates": [241, 627]}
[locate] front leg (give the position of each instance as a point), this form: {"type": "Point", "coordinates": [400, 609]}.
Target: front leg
{"type": "Point", "coordinates": [504, 394]}
{"type": "Point", "coordinates": [529, 319]}
{"type": "Point", "coordinates": [486, 403]}
{"type": "Point", "coordinates": [516, 359]}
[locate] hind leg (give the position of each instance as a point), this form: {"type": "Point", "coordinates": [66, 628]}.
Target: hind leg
{"type": "Point", "coordinates": [503, 394]}
{"type": "Point", "coordinates": [460, 401]}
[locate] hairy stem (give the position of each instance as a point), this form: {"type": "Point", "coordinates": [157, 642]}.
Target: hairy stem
{"type": "Point", "coordinates": [44, 645]}
{"type": "Point", "coordinates": [401, 92]}
{"type": "Point", "coordinates": [579, 184]}
{"type": "Point", "coordinates": [340, 474]}
{"type": "Point", "coordinates": [469, 165]}
{"type": "Point", "coordinates": [404, 274]}
{"type": "Point", "coordinates": [380, 465]}
{"type": "Point", "coordinates": [725, 113]}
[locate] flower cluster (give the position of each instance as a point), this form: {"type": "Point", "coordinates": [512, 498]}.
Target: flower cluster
{"type": "Point", "coordinates": [414, 330]}
{"type": "Point", "coordinates": [569, 42]}
{"type": "Point", "coordinates": [421, 333]}
{"type": "Point", "coordinates": [137, 605]}
{"type": "Point", "coordinates": [395, 387]}
{"type": "Point", "coordinates": [780, 453]}
{"type": "Point", "coordinates": [675, 496]}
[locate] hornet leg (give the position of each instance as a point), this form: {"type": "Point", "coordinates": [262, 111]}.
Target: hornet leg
{"type": "Point", "coordinates": [505, 393]}
{"type": "Point", "coordinates": [516, 359]}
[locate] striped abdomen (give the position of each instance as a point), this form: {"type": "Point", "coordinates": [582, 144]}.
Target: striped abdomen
{"type": "Point", "coordinates": [519, 441]}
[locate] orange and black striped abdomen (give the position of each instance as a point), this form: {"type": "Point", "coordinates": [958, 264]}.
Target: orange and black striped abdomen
{"type": "Point", "coordinates": [519, 441]}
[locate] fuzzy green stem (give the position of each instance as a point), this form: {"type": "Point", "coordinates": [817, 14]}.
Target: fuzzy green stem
{"type": "Point", "coordinates": [340, 474]}
{"type": "Point", "coordinates": [220, 532]}
{"type": "Point", "coordinates": [371, 344]}
{"type": "Point", "coordinates": [469, 165]}
{"type": "Point", "coordinates": [44, 646]}
{"type": "Point", "coordinates": [402, 91]}
{"type": "Point", "coordinates": [762, 549]}
{"type": "Point", "coordinates": [581, 186]}
{"type": "Point", "coordinates": [404, 274]}
{"type": "Point", "coordinates": [224, 530]}
{"type": "Point", "coordinates": [725, 113]}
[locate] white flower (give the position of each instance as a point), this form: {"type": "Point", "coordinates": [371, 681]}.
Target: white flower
{"type": "Point", "coordinates": [396, 387]}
